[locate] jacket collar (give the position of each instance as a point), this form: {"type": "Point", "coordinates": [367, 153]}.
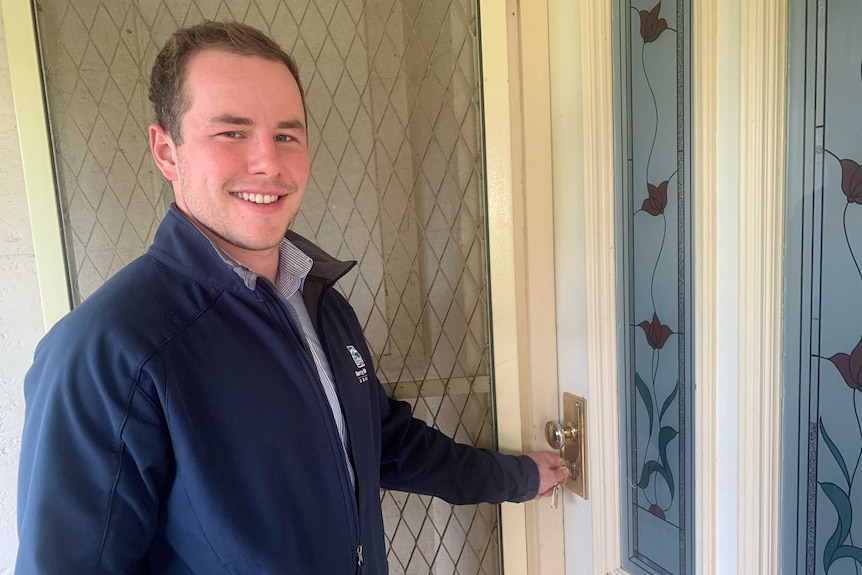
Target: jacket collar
{"type": "Point", "coordinates": [325, 271]}
{"type": "Point", "coordinates": [324, 267]}
{"type": "Point", "coordinates": [180, 245]}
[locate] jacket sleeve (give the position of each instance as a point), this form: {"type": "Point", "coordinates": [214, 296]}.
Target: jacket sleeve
{"type": "Point", "coordinates": [94, 459]}
{"type": "Point", "coordinates": [419, 459]}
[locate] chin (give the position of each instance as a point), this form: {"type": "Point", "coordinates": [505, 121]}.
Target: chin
{"type": "Point", "coordinates": [267, 242]}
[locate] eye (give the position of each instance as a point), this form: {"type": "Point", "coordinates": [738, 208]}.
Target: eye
{"type": "Point", "coordinates": [283, 138]}
{"type": "Point", "coordinates": [230, 135]}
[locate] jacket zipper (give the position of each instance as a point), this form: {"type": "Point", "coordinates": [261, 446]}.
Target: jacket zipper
{"type": "Point", "coordinates": [360, 560]}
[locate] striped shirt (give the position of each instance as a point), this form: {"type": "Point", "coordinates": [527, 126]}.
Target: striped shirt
{"type": "Point", "coordinates": [293, 267]}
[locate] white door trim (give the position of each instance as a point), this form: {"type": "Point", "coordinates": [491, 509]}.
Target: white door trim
{"type": "Point", "coordinates": [705, 51]}
{"type": "Point", "coordinates": [743, 144]}
{"type": "Point", "coordinates": [599, 164]}
{"type": "Point", "coordinates": [762, 149]}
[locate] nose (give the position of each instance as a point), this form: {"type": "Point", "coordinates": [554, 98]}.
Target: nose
{"type": "Point", "coordinates": [263, 157]}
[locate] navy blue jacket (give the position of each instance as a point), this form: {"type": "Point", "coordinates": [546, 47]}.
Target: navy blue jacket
{"type": "Point", "coordinates": [175, 423]}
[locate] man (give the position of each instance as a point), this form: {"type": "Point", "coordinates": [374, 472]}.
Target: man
{"type": "Point", "coordinates": [212, 408]}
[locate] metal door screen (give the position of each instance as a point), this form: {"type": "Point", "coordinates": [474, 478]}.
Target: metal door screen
{"type": "Point", "coordinates": [396, 183]}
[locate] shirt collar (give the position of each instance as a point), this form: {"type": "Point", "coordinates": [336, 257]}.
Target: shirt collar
{"type": "Point", "coordinates": [293, 266]}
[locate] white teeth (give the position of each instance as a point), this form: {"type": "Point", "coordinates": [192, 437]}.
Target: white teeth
{"type": "Point", "coordinates": [257, 198]}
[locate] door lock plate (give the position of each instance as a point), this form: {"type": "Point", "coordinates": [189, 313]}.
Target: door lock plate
{"type": "Point", "coordinates": [575, 449]}
{"type": "Point", "coordinates": [570, 437]}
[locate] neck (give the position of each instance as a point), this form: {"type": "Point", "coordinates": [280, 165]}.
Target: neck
{"type": "Point", "coordinates": [262, 262]}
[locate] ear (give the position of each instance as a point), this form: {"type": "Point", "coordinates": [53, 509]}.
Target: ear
{"type": "Point", "coordinates": [164, 152]}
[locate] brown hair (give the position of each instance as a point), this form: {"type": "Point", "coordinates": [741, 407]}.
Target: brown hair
{"type": "Point", "coordinates": [169, 70]}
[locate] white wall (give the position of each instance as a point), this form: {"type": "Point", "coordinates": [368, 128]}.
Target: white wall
{"type": "Point", "coordinates": [20, 309]}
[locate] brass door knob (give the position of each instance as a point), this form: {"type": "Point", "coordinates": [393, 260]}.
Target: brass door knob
{"type": "Point", "coordinates": [557, 434]}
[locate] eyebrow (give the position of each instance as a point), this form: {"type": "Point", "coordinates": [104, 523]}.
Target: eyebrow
{"type": "Point", "coordinates": [243, 121]}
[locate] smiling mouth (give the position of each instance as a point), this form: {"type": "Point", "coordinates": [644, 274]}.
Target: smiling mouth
{"type": "Point", "coordinates": [257, 198]}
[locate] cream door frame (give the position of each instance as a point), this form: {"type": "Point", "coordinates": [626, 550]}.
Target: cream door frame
{"type": "Point", "coordinates": [516, 102]}
{"type": "Point", "coordinates": [705, 56]}
{"type": "Point", "coordinates": [38, 166]}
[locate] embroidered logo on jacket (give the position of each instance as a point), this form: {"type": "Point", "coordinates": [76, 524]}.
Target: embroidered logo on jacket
{"type": "Point", "coordinates": [361, 372]}
{"type": "Point", "coordinates": [357, 359]}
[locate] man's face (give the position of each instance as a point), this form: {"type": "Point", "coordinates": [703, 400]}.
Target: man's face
{"type": "Point", "coordinates": [243, 164]}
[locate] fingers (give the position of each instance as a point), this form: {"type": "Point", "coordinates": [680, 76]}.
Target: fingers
{"type": "Point", "coordinates": [551, 471]}
{"type": "Point", "coordinates": [562, 474]}
{"type": "Point", "coordinates": [547, 493]}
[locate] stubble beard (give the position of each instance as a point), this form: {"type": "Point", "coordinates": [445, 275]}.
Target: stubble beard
{"type": "Point", "coordinates": [219, 226]}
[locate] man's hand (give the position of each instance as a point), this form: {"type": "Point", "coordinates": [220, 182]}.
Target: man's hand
{"type": "Point", "coordinates": [551, 471]}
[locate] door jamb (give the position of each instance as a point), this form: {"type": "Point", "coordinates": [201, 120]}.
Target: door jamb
{"type": "Point", "coordinates": [517, 120]}
{"type": "Point", "coordinates": [495, 25]}
{"type": "Point", "coordinates": [25, 74]}
{"type": "Point", "coordinates": [762, 180]}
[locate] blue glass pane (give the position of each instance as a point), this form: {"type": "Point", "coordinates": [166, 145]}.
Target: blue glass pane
{"type": "Point", "coordinates": [654, 201]}
{"type": "Point", "coordinates": [823, 290]}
